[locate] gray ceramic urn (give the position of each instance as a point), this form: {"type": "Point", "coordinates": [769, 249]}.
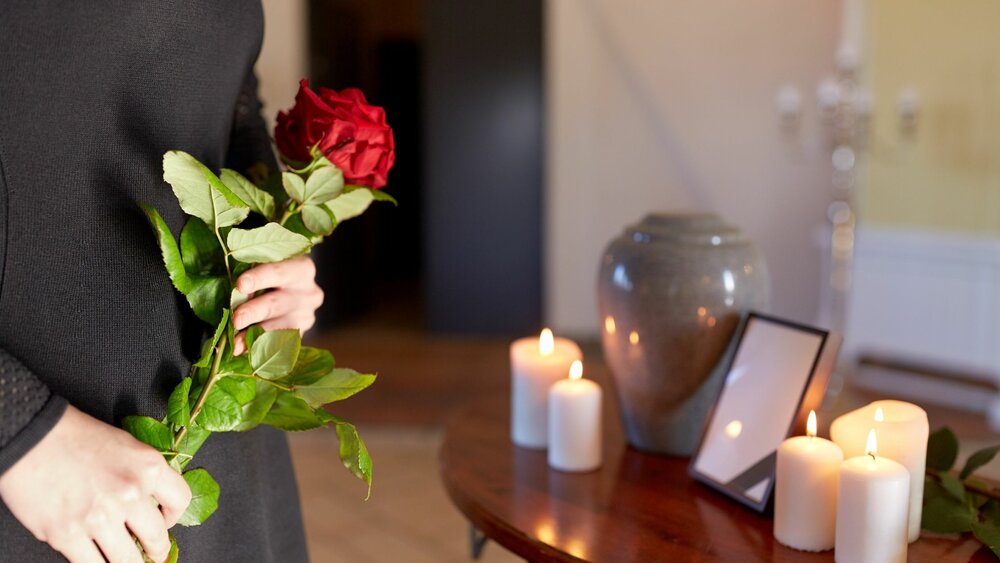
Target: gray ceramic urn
{"type": "Point", "coordinates": [671, 291]}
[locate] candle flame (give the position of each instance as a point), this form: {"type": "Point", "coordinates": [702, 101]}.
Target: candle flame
{"type": "Point", "coordinates": [879, 415]}
{"type": "Point", "coordinates": [576, 369]}
{"type": "Point", "coordinates": [871, 446]}
{"type": "Point", "coordinates": [811, 424]}
{"type": "Point", "coordinates": [609, 324]}
{"type": "Point", "coordinates": [546, 342]}
{"type": "Point", "coordinates": [633, 338]}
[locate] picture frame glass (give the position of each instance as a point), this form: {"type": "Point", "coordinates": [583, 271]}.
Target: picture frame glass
{"type": "Point", "coordinates": [775, 367]}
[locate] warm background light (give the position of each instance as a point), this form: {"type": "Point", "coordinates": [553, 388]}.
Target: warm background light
{"type": "Point", "coordinates": [734, 429]}
{"type": "Point", "coordinates": [811, 424]}
{"type": "Point", "coordinates": [576, 370]}
{"type": "Point", "coordinates": [609, 324]}
{"type": "Point", "coordinates": [546, 342]}
{"type": "Point", "coordinates": [633, 337]}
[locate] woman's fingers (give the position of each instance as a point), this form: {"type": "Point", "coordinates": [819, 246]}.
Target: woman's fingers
{"type": "Point", "coordinates": [272, 304]}
{"type": "Point", "coordinates": [300, 271]}
{"type": "Point", "coordinates": [117, 544]}
{"type": "Point", "coordinates": [173, 494]}
{"type": "Point", "coordinates": [302, 321]}
{"type": "Point", "coordinates": [148, 526]}
{"type": "Point", "coordinates": [79, 549]}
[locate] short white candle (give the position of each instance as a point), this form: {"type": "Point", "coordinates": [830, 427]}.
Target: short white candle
{"type": "Point", "coordinates": [535, 364]}
{"type": "Point", "coordinates": [902, 431]}
{"type": "Point", "coordinates": [872, 509]}
{"type": "Point", "coordinates": [575, 422]}
{"type": "Point", "coordinates": [805, 494]}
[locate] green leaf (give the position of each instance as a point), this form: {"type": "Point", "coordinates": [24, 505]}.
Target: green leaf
{"type": "Point", "coordinates": [174, 550]}
{"type": "Point", "coordinates": [251, 334]}
{"type": "Point", "coordinates": [200, 249]}
{"type": "Point", "coordinates": [350, 204]}
{"type": "Point", "coordinates": [991, 510]}
{"type": "Point", "coordinates": [149, 431]}
{"type": "Point", "coordinates": [380, 195]}
{"type": "Point", "coordinates": [259, 201]}
{"type": "Point", "coordinates": [191, 442]}
{"type": "Point", "coordinates": [943, 513]}
{"type": "Point", "coordinates": [237, 298]}
{"type": "Point", "coordinates": [274, 353]}
{"type": "Point", "coordinates": [942, 449]}
{"type": "Point", "coordinates": [294, 186]}
{"type": "Point", "coordinates": [168, 249]}
{"type": "Point", "coordinates": [208, 347]}
{"type": "Point", "coordinates": [178, 407]}
{"type": "Point", "coordinates": [235, 365]}
{"type": "Point", "coordinates": [312, 364]}
{"type": "Point", "coordinates": [353, 452]}
{"type": "Point", "coordinates": [292, 414]}
{"type": "Point", "coordinates": [255, 411]}
{"type": "Point", "coordinates": [977, 460]}
{"type": "Point", "coordinates": [318, 219]}
{"type": "Point", "coordinates": [270, 243]}
{"type": "Point", "coordinates": [989, 534]}
{"type": "Point", "coordinates": [337, 385]}
{"type": "Point", "coordinates": [243, 389]}
{"type": "Point", "coordinates": [204, 497]}
{"type": "Point", "coordinates": [297, 226]}
{"type": "Point", "coordinates": [221, 411]}
{"type": "Point", "coordinates": [324, 184]}
{"type": "Point", "coordinates": [208, 296]}
{"type": "Point", "coordinates": [952, 485]}
{"type": "Point", "coordinates": [200, 192]}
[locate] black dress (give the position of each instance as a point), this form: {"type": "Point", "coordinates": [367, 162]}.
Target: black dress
{"type": "Point", "coordinates": [92, 94]}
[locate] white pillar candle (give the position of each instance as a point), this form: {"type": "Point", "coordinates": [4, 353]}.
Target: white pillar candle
{"type": "Point", "coordinates": [902, 431]}
{"type": "Point", "coordinates": [575, 422]}
{"type": "Point", "coordinates": [535, 364]}
{"type": "Point", "coordinates": [805, 494]}
{"type": "Point", "coordinates": [872, 509]}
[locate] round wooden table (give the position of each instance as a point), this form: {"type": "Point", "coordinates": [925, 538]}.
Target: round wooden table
{"type": "Point", "coordinates": [637, 507]}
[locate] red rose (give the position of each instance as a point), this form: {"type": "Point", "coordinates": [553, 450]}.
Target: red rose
{"type": "Point", "coordinates": [352, 134]}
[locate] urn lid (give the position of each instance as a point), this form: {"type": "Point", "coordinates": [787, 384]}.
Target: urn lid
{"type": "Point", "coordinates": [695, 228]}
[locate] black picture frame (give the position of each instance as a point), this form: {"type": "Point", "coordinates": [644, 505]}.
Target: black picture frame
{"type": "Point", "coordinates": [809, 398]}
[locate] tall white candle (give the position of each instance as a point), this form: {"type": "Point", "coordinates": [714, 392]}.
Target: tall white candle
{"type": "Point", "coordinates": [872, 509]}
{"type": "Point", "coordinates": [805, 494]}
{"type": "Point", "coordinates": [575, 422]}
{"type": "Point", "coordinates": [902, 430]}
{"type": "Point", "coordinates": [535, 364]}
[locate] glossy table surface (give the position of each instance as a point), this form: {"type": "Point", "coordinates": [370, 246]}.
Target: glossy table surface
{"type": "Point", "coordinates": [637, 508]}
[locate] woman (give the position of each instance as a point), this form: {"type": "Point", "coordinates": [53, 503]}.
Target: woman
{"type": "Point", "coordinates": [91, 96]}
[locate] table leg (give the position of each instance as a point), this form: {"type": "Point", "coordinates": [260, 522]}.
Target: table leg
{"type": "Point", "coordinates": [477, 541]}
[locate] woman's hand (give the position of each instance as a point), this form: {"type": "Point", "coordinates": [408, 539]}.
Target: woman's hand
{"type": "Point", "coordinates": [86, 485]}
{"type": "Point", "coordinates": [291, 302]}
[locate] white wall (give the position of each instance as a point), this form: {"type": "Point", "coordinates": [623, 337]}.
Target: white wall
{"type": "Point", "coordinates": [670, 106]}
{"type": "Point", "coordinates": [282, 61]}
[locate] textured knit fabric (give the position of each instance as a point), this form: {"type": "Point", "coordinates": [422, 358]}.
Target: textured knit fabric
{"type": "Point", "coordinates": [92, 94]}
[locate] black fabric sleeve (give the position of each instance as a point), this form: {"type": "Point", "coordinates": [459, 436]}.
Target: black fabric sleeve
{"type": "Point", "coordinates": [249, 142]}
{"type": "Point", "coordinates": [28, 410]}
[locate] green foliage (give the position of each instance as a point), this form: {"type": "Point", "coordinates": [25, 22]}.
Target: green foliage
{"type": "Point", "coordinates": [277, 382]}
{"type": "Point", "coordinates": [337, 385]}
{"type": "Point", "coordinates": [178, 408]}
{"type": "Point", "coordinates": [149, 431]}
{"type": "Point", "coordinates": [270, 243]}
{"type": "Point", "coordinates": [204, 497]}
{"type": "Point", "coordinates": [977, 460]}
{"type": "Point", "coordinates": [260, 201]}
{"type": "Point", "coordinates": [942, 449]}
{"type": "Point", "coordinates": [957, 504]}
{"type": "Point", "coordinates": [353, 453]}
{"type": "Point", "coordinates": [201, 193]}
{"type": "Point", "coordinates": [274, 353]}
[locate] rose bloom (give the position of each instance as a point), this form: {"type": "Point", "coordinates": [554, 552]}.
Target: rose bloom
{"type": "Point", "coordinates": [352, 134]}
